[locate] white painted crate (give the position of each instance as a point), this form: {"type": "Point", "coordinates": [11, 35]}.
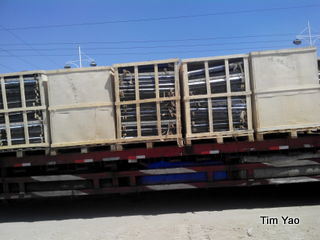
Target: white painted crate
{"type": "Point", "coordinates": [81, 107]}
{"type": "Point", "coordinates": [286, 91]}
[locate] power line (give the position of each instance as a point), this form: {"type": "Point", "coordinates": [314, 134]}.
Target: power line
{"type": "Point", "coordinates": [157, 41]}
{"type": "Point", "coordinates": [166, 52]}
{"type": "Point", "coordinates": [7, 67]}
{"type": "Point", "coordinates": [164, 18]}
{"type": "Point", "coordinates": [25, 43]}
{"type": "Point", "coordinates": [33, 49]}
{"type": "Point", "coordinates": [18, 57]}
{"type": "Point", "coordinates": [159, 46]}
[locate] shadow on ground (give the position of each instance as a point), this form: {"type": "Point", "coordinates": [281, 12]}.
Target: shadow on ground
{"type": "Point", "coordinates": [154, 203]}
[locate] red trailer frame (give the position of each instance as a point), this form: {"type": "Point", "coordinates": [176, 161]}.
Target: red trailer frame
{"type": "Point", "coordinates": [133, 155]}
{"type": "Point", "coordinates": [13, 187]}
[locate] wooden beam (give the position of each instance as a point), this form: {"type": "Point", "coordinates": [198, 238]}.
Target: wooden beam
{"type": "Point", "coordinates": [137, 92]}
{"type": "Point", "coordinates": [24, 113]}
{"type": "Point", "coordinates": [226, 62]}
{"type": "Point", "coordinates": [6, 114]}
{"type": "Point", "coordinates": [158, 111]}
{"type": "Point", "coordinates": [210, 115]}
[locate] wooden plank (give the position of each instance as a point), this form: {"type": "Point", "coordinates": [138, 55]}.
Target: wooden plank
{"type": "Point", "coordinates": [150, 141]}
{"type": "Point", "coordinates": [293, 133]}
{"type": "Point", "coordinates": [203, 59]}
{"type": "Point", "coordinates": [73, 70]}
{"type": "Point", "coordinates": [6, 114]}
{"type": "Point", "coordinates": [22, 73]}
{"type": "Point", "coordinates": [23, 101]}
{"type": "Point", "coordinates": [149, 100]}
{"type": "Point", "coordinates": [210, 116]}
{"type": "Point", "coordinates": [84, 150]}
{"type": "Point", "coordinates": [216, 95]}
{"type": "Point", "coordinates": [149, 145]}
{"type": "Point", "coordinates": [223, 134]}
{"type": "Point", "coordinates": [177, 102]}
{"type": "Point", "coordinates": [251, 137]}
{"type": "Point", "coordinates": [246, 74]}
{"type": "Point", "coordinates": [249, 113]}
{"type": "Point", "coordinates": [219, 138]}
{"type": "Point", "coordinates": [248, 89]}
{"type": "Point", "coordinates": [45, 123]}
{"type": "Point", "coordinates": [34, 146]}
{"type": "Point", "coordinates": [226, 62]}
{"type": "Point", "coordinates": [186, 99]}
{"type": "Point", "coordinates": [137, 92]}
{"type": "Point", "coordinates": [143, 139]}
{"type": "Point", "coordinates": [80, 105]}
{"type": "Point", "coordinates": [132, 64]}
{"type": "Point", "coordinates": [117, 98]}
{"type": "Point", "coordinates": [156, 82]}
{"type": "Point", "coordinates": [21, 109]}
{"type": "Point", "coordinates": [84, 143]}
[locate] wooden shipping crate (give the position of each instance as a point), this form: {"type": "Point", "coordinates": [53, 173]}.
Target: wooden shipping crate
{"type": "Point", "coordinates": [148, 102]}
{"type": "Point", "coordinates": [23, 111]}
{"type": "Point", "coordinates": [286, 91]}
{"type": "Point", "coordinates": [216, 98]}
{"type": "Point", "coordinates": [81, 106]}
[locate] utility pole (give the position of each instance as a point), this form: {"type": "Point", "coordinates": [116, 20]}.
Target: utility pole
{"type": "Point", "coordinates": [310, 36]}
{"type": "Point", "coordinates": [307, 34]}
{"type": "Point", "coordinates": [80, 56]}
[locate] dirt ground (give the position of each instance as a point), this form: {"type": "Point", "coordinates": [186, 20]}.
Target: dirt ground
{"type": "Point", "coordinates": [231, 213]}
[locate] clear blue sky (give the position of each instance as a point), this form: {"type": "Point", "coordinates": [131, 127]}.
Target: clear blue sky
{"type": "Point", "coordinates": [128, 41]}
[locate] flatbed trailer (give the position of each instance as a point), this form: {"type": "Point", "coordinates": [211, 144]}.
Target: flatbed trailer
{"type": "Point", "coordinates": [202, 165]}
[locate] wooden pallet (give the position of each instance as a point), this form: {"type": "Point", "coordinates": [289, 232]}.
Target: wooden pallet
{"type": "Point", "coordinates": [172, 141]}
{"type": "Point", "coordinates": [53, 151]}
{"type": "Point", "coordinates": [292, 133]}
{"type": "Point", "coordinates": [23, 151]}
{"type": "Point", "coordinates": [120, 144]}
{"type": "Point", "coordinates": [220, 138]}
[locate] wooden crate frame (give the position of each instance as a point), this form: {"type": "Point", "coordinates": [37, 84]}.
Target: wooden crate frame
{"type": "Point", "coordinates": [24, 109]}
{"type": "Point", "coordinates": [158, 99]}
{"type": "Point", "coordinates": [292, 133]}
{"type": "Point", "coordinates": [219, 136]}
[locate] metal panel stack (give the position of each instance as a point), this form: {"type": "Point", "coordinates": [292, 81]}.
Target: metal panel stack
{"type": "Point", "coordinates": [286, 91]}
{"type": "Point", "coordinates": [147, 101]}
{"type": "Point", "coordinates": [23, 121]}
{"type": "Point", "coordinates": [216, 97]}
